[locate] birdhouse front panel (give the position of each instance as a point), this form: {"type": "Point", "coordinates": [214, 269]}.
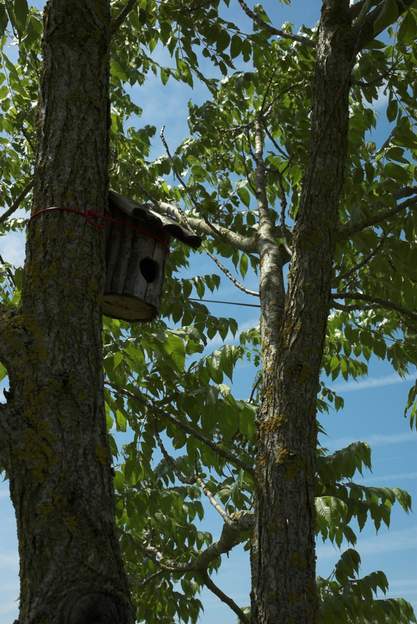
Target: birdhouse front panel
{"type": "Point", "coordinates": [137, 245]}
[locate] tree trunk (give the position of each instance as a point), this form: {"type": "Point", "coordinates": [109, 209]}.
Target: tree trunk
{"type": "Point", "coordinates": [59, 464]}
{"type": "Point", "coordinates": [283, 552]}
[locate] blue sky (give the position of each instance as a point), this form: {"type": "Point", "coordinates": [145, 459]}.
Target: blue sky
{"type": "Point", "coordinates": [373, 406]}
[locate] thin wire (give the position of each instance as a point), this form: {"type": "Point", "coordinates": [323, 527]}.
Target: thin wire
{"type": "Point", "coordinates": [247, 305]}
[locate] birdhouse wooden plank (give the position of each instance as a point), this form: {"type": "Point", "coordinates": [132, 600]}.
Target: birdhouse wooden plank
{"type": "Point", "coordinates": [137, 245]}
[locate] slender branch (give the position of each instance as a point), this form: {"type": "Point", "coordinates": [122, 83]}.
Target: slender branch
{"type": "Point", "coordinates": [190, 429]}
{"type": "Point", "coordinates": [119, 19]}
{"type": "Point", "coordinates": [406, 191]}
{"type": "Point", "coordinates": [224, 598]}
{"type": "Point", "coordinates": [149, 579]}
{"type": "Point", "coordinates": [348, 230]}
{"type": "Point", "coordinates": [211, 229]}
{"type": "Point", "coordinates": [377, 302]}
{"type": "Point", "coordinates": [231, 277]}
{"type": "Point", "coordinates": [23, 193]}
{"type": "Point", "coordinates": [171, 461]}
{"type": "Point", "coordinates": [231, 536]}
{"type": "Point", "coordinates": [360, 265]}
{"type": "Point", "coordinates": [248, 244]}
{"type": "Point", "coordinates": [8, 271]}
{"type": "Point", "coordinates": [213, 501]}
{"type": "Point", "coordinates": [271, 29]}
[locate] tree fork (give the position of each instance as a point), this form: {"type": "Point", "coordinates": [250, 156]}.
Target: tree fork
{"type": "Point", "coordinates": [283, 553]}
{"type": "Point", "coordinates": [61, 486]}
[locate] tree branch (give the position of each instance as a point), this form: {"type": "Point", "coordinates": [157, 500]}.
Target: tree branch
{"type": "Point", "coordinates": [213, 501]}
{"type": "Point", "coordinates": [231, 536]}
{"type": "Point", "coordinates": [271, 29]}
{"type": "Point", "coordinates": [368, 28]}
{"type": "Point", "coordinates": [361, 264]}
{"type": "Point", "coordinates": [17, 202]}
{"type": "Point", "coordinates": [190, 429]}
{"type": "Point", "coordinates": [348, 230]}
{"type": "Point", "coordinates": [272, 289]}
{"type": "Point", "coordinates": [231, 277]}
{"type": "Point", "coordinates": [377, 302]}
{"type": "Point", "coordinates": [224, 598]}
{"type": "Point", "coordinates": [119, 19]}
{"type": "Point", "coordinates": [248, 244]}
{"type": "Point", "coordinates": [149, 578]}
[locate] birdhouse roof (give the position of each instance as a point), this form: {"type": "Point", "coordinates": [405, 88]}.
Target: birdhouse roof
{"type": "Point", "coordinates": [147, 215]}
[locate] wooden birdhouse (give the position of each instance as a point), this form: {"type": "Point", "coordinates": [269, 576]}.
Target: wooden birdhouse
{"type": "Point", "coordinates": [137, 245]}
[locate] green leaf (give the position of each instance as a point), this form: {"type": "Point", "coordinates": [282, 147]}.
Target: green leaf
{"type": "Point", "coordinates": [174, 346]}
{"type": "Point", "coordinates": [164, 75]}
{"type": "Point", "coordinates": [392, 109]}
{"type": "Point", "coordinates": [387, 15]}
{"type": "Point", "coordinates": [243, 266]}
{"type": "Point", "coordinates": [408, 29]}
{"type": "Point", "coordinates": [21, 11]}
{"type": "Point", "coordinates": [236, 46]}
{"type": "Point", "coordinates": [244, 195]}
{"type": "Point", "coordinates": [121, 422]}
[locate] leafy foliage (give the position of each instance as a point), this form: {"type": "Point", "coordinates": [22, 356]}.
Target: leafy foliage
{"type": "Point", "coordinates": [191, 441]}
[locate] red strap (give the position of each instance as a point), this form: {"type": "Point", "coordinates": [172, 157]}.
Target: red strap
{"type": "Point", "coordinates": [92, 218]}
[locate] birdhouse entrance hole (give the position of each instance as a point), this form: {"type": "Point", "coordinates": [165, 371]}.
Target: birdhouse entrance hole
{"type": "Point", "coordinates": [137, 245]}
{"type": "Point", "coordinates": [149, 269]}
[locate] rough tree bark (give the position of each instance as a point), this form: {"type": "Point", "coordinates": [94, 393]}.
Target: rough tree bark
{"type": "Point", "coordinates": [293, 333]}
{"type": "Point", "coordinates": [56, 455]}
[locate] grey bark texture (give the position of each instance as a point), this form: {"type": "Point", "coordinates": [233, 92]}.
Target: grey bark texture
{"type": "Point", "coordinates": [57, 456]}
{"type": "Point", "coordinates": [283, 553]}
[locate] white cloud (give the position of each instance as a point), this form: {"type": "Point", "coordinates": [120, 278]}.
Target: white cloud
{"type": "Point", "coordinates": [374, 440]}
{"type": "Point", "coordinates": [404, 584]}
{"type": "Point", "coordinates": [390, 542]}
{"type": "Point", "coordinates": [12, 248]}
{"type": "Point", "coordinates": [378, 382]}
{"type": "Point", "coordinates": [10, 608]}
{"type": "Point", "coordinates": [9, 561]}
{"type": "Point", "coordinates": [393, 477]}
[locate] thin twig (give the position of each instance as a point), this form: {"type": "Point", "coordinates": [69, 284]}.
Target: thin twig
{"type": "Point", "coordinates": [271, 29]}
{"type": "Point", "coordinates": [190, 429]}
{"type": "Point", "coordinates": [17, 202]}
{"type": "Point", "coordinates": [149, 578]}
{"type": "Point", "coordinates": [376, 302]}
{"type": "Point", "coordinates": [8, 271]}
{"type": "Point", "coordinates": [348, 230]}
{"type": "Point", "coordinates": [210, 225]}
{"type": "Point", "coordinates": [171, 461]}
{"type": "Point", "coordinates": [212, 499]}
{"type": "Point", "coordinates": [360, 265]}
{"type": "Point", "coordinates": [224, 598]}
{"type": "Point", "coordinates": [233, 279]}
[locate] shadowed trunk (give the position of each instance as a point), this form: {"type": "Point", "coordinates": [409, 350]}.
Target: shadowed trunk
{"type": "Point", "coordinates": [60, 466]}
{"type": "Point", "coordinates": [283, 552]}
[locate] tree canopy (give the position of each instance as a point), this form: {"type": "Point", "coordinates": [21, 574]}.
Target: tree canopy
{"type": "Point", "coordinates": [192, 442]}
